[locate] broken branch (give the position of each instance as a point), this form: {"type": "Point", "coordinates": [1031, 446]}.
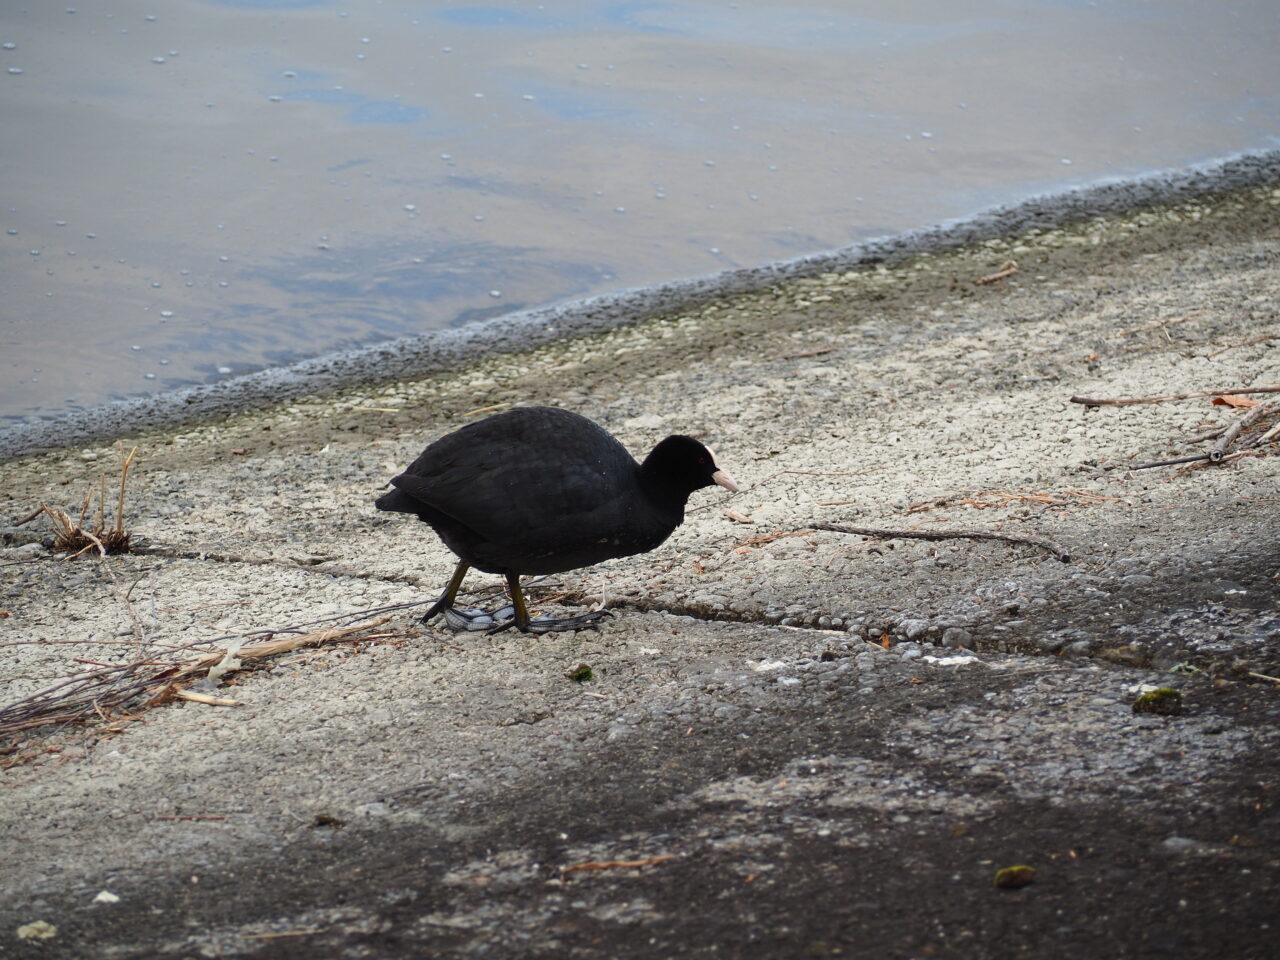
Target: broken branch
{"type": "Point", "coordinates": [1233, 431]}
{"type": "Point", "coordinates": [1008, 270]}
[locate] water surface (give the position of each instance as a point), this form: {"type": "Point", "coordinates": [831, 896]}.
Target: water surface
{"type": "Point", "coordinates": [194, 189]}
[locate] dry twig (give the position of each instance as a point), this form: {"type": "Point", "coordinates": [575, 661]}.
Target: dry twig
{"type": "Point", "coordinates": [1245, 343]}
{"type": "Point", "coordinates": [618, 864]}
{"type": "Point", "coordinates": [1009, 268]}
{"type": "Point", "coordinates": [1160, 325]}
{"type": "Point", "coordinates": [92, 694]}
{"type": "Point", "coordinates": [1040, 542]}
{"type": "Point", "coordinates": [1104, 402]}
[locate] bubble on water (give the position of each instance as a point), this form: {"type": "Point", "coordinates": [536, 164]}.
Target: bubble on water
{"type": "Point", "coordinates": [926, 134]}
{"type": "Point", "coordinates": [446, 49]}
{"type": "Point", "coordinates": [34, 253]}
{"type": "Point", "coordinates": [715, 250]}
{"type": "Point", "coordinates": [166, 314]}
{"type": "Point", "coordinates": [59, 223]}
{"type": "Point", "coordinates": [495, 293]}
{"type": "Point", "coordinates": [446, 156]}
{"type": "Point", "coordinates": [163, 363]}
{"type": "Point", "coordinates": [708, 163]}
{"type": "Point", "coordinates": [184, 272]}
{"type": "Point", "coordinates": [15, 70]}
{"type": "Point", "coordinates": [583, 66]}
{"type": "Point", "coordinates": [224, 369]}
{"type": "Point", "coordinates": [91, 236]}
{"type": "Point", "coordinates": [150, 18]}
{"type": "Point", "coordinates": [275, 98]}
{"type": "Point", "coordinates": [753, 196]}
{"type": "Point", "coordinates": [157, 59]}
{"type": "Point", "coordinates": [478, 96]}
{"type": "Point", "coordinates": [528, 96]}
{"type": "Point", "coordinates": [619, 209]}
{"type": "Point", "coordinates": [1065, 161]}
{"type": "Point", "coordinates": [135, 347]}
{"type": "Point", "coordinates": [477, 218]}
{"type": "Point", "coordinates": [411, 207]}
{"type": "Point", "coordinates": [149, 376]}
{"type": "Point", "coordinates": [290, 74]}
{"type": "Point", "coordinates": [12, 231]}
{"type": "Point", "coordinates": [222, 283]}
{"type": "Point", "coordinates": [155, 284]}
{"type": "Point", "coordinates": [225, 259]}
{"type": "Point", "coordinates": [9, 45]}
{"type": "Point", "coordinates": [274, 159]}
{"type": "Point", "coordinates": [359, 56]}
{"type": "Point", "coordinates": [71, 253]}
{"type": "Point", "coordinates": [773, 166]}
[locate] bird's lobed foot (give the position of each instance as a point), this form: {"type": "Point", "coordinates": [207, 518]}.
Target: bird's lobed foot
{"type": "Point", "coordinates": [474, 618]}
{"type": "Point", "coordinates": [585, 621]}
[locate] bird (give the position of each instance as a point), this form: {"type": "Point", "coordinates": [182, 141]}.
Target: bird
{"type": "Point", "coordinates": [541, 490]}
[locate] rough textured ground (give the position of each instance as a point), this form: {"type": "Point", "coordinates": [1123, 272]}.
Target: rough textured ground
{"type": "Point", "coordinates": [815, 744]}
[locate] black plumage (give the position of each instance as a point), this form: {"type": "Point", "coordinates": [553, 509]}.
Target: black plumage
{"type": "Point", "coordinates": [539, 490]}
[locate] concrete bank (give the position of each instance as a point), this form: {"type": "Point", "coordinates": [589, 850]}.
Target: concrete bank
{"type": "Point", "coordinates": [804, 742]}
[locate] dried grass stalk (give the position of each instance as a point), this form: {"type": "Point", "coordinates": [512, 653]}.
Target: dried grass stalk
{"type": "Point", "coordinates": [72, 538]}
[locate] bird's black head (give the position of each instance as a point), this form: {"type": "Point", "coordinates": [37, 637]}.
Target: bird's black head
{"type": "Point", "coordinates": [684, 464]}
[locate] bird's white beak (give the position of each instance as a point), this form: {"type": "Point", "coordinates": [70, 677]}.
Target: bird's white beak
{"type": "Point", "coordinates": [725, 481]}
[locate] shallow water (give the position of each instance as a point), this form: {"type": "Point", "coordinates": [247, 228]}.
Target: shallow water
{"type": "Point", "coordinates": [197, 189]}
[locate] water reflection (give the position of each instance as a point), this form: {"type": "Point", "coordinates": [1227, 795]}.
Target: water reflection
{"type": "Point", "coordinates": [229, 184]}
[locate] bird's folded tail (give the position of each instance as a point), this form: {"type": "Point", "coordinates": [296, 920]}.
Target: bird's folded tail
{"type": "Point", "coordinates": [398, 501]}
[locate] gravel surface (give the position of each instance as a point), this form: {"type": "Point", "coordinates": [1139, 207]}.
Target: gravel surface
{"type": "Point", "coordinates": [803, 742]}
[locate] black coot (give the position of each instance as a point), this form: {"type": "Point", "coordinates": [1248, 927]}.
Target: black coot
{"type": "Point", "coordinates": [539, 490]}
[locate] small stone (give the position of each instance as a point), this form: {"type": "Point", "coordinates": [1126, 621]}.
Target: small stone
{"type": "Point", "coordinates": [956, 637]}
{"type": "Point", "coordinates": [913, 629]}
{"type": "Point", "coordinates": [106, 896]}
{"type": "Point", "coordinates": [1012, 878]}
{"type": "Point", "coordinates": [37, 931]}
{"type": "Point", "coordinates": [1163, 702]}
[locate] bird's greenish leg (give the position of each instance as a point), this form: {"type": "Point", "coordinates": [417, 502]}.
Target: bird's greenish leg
{"type": "Point", "coordinates": [526, 624]}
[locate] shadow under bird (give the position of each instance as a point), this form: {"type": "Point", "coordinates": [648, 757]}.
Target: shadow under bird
{"type": "Point", "coordinates": [540, 490]}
